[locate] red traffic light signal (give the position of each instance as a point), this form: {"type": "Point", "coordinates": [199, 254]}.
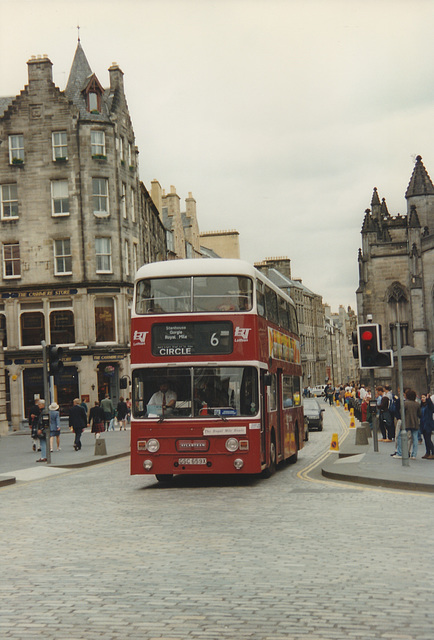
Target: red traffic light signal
{"type": "Point", "coordinates": [369, 346]}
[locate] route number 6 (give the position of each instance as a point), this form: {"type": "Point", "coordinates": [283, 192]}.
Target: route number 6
{"type": "Point", "coordinates": [214, 340]}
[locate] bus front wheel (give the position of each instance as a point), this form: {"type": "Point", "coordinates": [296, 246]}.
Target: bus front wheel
{"type": "Point", "coordinates": [271, 469]}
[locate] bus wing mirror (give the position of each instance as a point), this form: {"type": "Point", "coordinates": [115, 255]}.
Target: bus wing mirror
{"type": "Point", "coordinates": [267, 379]}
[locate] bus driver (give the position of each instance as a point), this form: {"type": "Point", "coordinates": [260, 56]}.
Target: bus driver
{"type": "Point", "coordinates": [164, 398]}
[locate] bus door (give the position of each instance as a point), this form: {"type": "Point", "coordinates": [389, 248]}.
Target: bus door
{"type": "Point", "coordinates": [264, 408]}
{"type": "Point", "coordinates": [278, 426]}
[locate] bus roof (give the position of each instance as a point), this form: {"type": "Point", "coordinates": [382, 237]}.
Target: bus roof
{"type": "Point", "coordinates": [205, 267]}
{"type": "Point", "coordinates": [196, 267]}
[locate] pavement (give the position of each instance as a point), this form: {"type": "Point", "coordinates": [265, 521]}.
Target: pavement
{"type": "Point", "coordinates": [359, 463]}
{"type": "Point", "coordinates": [18, 460]}
{"type": "Point", "coordinates": [353, 462]}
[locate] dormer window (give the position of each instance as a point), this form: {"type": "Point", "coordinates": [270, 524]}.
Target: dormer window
{"type": "Point", "coordinates": [93, 93]}
{"type": "Point", "coordinates": [93, 101]}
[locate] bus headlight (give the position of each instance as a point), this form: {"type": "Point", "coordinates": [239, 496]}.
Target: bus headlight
{"type": "Point", "coordinates": [232, 444]}
{"type": "Point", "coordinates": [153, 445]}
{"type": "Point", "coordinates": [238, 463]}
{"type": "Point", "coordinates": [147, 465]}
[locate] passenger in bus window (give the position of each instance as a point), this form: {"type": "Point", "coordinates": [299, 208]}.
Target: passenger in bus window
{"type": "Point", "coordinates": [164, 399]}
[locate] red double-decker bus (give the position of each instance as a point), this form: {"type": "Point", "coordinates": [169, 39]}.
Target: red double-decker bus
{"type": "Point", "coordinates": [216, 371]}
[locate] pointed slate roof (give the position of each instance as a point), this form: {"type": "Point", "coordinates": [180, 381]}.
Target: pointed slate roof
{"type": "Point", "coordinates": [79, 78]}
{"type": "Point", "coordinates": [420, 182]}
{"type": "Point", "coordinates": [79, 75]}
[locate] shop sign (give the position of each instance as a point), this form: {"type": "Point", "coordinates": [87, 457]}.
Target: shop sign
{"type": "Point", "coordinates": [41, 293]}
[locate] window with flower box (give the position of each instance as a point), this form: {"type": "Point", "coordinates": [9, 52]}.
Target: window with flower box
{"type": "Point", "coordinates": [59, 143]}
{"type": "Point", "coordinates": [16, 149]}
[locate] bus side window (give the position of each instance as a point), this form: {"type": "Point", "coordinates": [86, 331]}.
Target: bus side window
{"type": "Point", "coordinates": [287, 392]}
{"type": "Point", "coordinates": [272, 394]}
{"type": "Point", "coordinates": [260, 298]}
{"type": "Point", "coordinates": [297, 394]}
{"type": "Point", "coordinates": [271, 308]}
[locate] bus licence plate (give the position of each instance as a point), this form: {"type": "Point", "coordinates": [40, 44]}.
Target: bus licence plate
{"type": "Point", "coordinates": [192, 461]}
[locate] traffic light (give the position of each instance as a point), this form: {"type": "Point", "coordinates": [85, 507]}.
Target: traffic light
{"type": "Point", "coordinates": [123, 383]}
{"type": "Point", "coordinates": [55, 355]}
{"type": "Point", "coordinates": [355, 341]}
{"type": "Point", "coordinates": [369, 347]}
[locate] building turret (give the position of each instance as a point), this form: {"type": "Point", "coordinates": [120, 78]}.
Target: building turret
{"type": "Point", "coordinates": [420, 193]}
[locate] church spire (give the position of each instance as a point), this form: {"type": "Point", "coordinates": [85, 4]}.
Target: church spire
{"type": "Point", "coordinates": [420, 182]}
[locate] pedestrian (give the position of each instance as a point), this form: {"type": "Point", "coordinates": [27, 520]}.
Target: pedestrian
{"type": "Point", "coordinates": [78, 422]}
{"type": "Point", "coordinates": [121, 412]}
{"type": "Point", "coordinates": [412, 417]}
{"type": "Point", "coordinates": [330, 392]}
{"type": "Point", "coordinates": [427, 424]}
{"type": "Point", "coordinates": [41, 433]}
{"type": "Point", "coordinates": [54, 425]}
{"type": "Point", "coordinates": [84, 405]}
{"type": "Point", "coordinates": [96, 419]}
{"type": "Point", "coordinates": [365, 409]}
{"type": "Point", "coordinates": [384, 416]}
{"type": "Point", "coordinates": [107, 407]}
{"type": "Point", "coordinates": [33, 424]}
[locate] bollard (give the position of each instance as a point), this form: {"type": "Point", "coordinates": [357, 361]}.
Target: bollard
{"type": "Point", "coordinates": [367, 428]}
{"type": "Point", "coordinates": [345, 406]}
{"type": "Point", "coordinates": [352, 423]}
{"type": "Point", "coordinates": [351, 411]}
{"type": "Point", "coordinates": [100, 448]}
{"type": "Point", "coordinates": [334, 444]}
{"type": "Point", "coordinates": [337, 403]}
{"type": "Point", "coordinates": [361, 437]}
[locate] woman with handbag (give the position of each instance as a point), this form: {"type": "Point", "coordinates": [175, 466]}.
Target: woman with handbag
{"type": "Point", "coordinates": [54, 425]}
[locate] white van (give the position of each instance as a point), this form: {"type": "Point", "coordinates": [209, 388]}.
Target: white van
{"type": "Point", "coordinates": [318, 390]}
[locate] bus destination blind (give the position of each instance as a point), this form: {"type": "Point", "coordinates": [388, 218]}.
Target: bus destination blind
{"type": "Point", "coordinates": [192, 338]}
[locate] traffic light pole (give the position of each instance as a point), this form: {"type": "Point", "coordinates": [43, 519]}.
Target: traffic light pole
{"type": "Point", "coordinates": [374, 410]}
{"type": "Point", "coordinates": [46, 395]}
{"type": "Point", "coordinates": [403, 432]}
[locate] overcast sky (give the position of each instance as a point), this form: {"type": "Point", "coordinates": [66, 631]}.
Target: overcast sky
{"type": "Point", "coordinates": [280, 116]}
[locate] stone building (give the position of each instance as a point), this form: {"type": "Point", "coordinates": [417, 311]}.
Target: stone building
{"type": "Point", "coordinates": [182, 228]}
{"type": "Point", "coordinates": [310, 314]}
{"type": "Point", "coordinates": [341, 367]}
{"type": "Point", "coordinates": [75, 224]}
{"type": "Point", "coordinates": [396, 279]}
{"type": "Point", "coordinates": [225, 244]}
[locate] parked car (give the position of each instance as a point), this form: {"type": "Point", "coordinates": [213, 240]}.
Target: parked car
{"type": "Point", "coordinates": [318, 390]}
{"type": "Point", "coordinates": [313, 413]}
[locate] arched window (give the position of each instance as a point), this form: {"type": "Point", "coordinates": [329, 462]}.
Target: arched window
{"type": "Point", "coordinates": [62, 327]}
{"type": "Point", "coordinates": [105, 320]}
{"type": "Point", "coordinates": [397, 311]}
{"type": "Point", "coordinates": [32, 328]}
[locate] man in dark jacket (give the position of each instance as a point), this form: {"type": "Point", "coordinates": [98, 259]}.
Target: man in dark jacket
{"type": "Point", "coordinates": [78, 422]}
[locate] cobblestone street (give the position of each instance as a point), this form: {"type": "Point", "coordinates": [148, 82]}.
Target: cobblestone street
{"type": "Point", "coordinates": [95, 553]}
